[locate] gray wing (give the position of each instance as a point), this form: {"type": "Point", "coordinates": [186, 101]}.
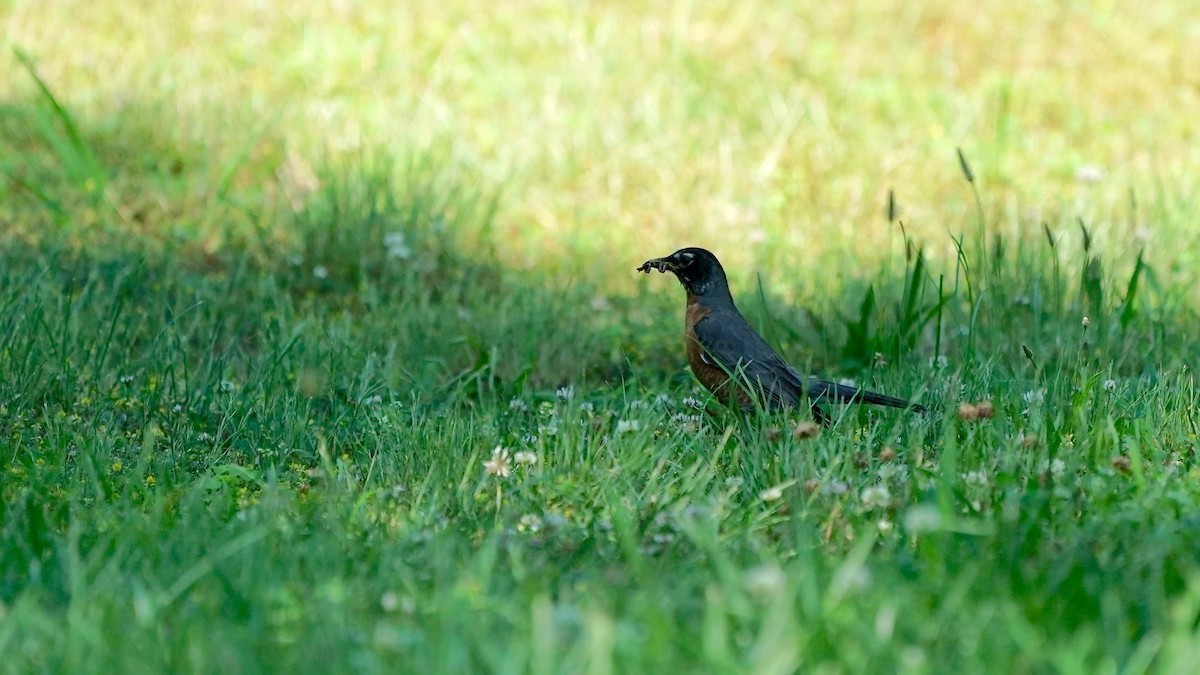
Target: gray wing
{"type": "Point", "coordinates": [742, 352]}
{"type": "Point", "coordinates": [730, 343]}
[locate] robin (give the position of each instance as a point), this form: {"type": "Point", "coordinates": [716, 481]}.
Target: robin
{"type": "Point", "coordinates": [721, 347]}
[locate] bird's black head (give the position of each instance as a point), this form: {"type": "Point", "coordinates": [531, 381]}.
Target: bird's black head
{"type": "Point", "coordinates": [697, 269]}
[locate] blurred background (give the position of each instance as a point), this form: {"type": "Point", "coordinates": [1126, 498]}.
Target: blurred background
{"type": "Point", "coordinates": [564, 143]}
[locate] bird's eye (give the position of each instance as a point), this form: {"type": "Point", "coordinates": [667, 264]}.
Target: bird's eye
{"type": "Point", "coordinates": [687, 257]}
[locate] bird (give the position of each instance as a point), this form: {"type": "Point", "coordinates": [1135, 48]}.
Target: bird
{"type": "Point", "coordinates": [723, 347]}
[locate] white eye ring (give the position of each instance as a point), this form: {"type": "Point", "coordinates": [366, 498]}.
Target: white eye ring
{"type": "Point", "coordinates": [688, 256]}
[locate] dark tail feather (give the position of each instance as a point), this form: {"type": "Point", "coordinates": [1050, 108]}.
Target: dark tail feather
{"type": "Point", "coordinates": [840, 393]}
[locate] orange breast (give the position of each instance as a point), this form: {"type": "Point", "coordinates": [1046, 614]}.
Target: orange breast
{"type": "Point", "coordinates": [711, 375]}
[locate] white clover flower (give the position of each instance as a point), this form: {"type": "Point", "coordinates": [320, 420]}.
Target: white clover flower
{"type": "Point", "coordinates": [396, 246]}
{"type": "Point", "coordinates": [389, 601]}
{"type": "Point", "coordinates": [1089, 173]}
{"type": "Point", "coordinates": [227, 386]}
{"type": "Point", "coordinates": [692, 402]}
{"type": "Point", "coordinates": [923, 518]}
{"type": "Point", "coordinates": [530, 523]}
{"type": "Point", "coordinates": [896, 472]}
{"type": "Point", "coordinates": [601, 304]}
{"type": "Point", "coordinates": [518, 405]}
{"type": "Point", "coordinates": [526, 457]}
{"type": "Point", "coordinates": [884, 525]}
{"type": "Point", "coordinates": [498, 465]}
{"type": "Point", "coordinates": [684, 418]}
{"type": "Point", "coordinates": [764, 581]}
{"type": "Point", "coordinates": [1109, 385]}
{"type": "Point", "coordinates": [565, 393]}
{"type": "Point", "coordinates": [1034, 396]}
{"type": "Point", "coordinates": [771, 494]}
{"type": "Point", "coordinates": [628, 426]}
{"type": "Point", "coordinates": [321, 272]}
{"type": "Point", "coordinates": [1057, 467]}
{"type": "Point", "coordinates": [876, 496]}
{"type": "Point", "coordinates": [587, 406]}
{"type": "Point", "coordinates": [976, 478]}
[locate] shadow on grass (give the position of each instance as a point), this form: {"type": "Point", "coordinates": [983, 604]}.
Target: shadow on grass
{"type": "Point", "coordinates": [370, 286]}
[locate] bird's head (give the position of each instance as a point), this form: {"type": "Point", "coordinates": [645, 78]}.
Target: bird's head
{"type": "Point", "coordinates": [697, 269]}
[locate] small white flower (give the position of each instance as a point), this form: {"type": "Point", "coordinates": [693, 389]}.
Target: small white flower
{"type": "Point", "coordinates": [227, 386]}
{"type": "Point", "coordinates": [396, 246]}
{"type": "Point", "coordinates": [662, 399]}
{"type": "Point", "coordinates": [941, 362]}
{"type": "Point", "coordinates": [518, 405]}
{"type": "Point", "coordinates": [976, 478]}
{"type": "Point", "coordinates": [389, 601]}
{"type": "Point", "coordinates": [923, 518]}
{"type": "Point", "coordinates": [204, 437]}
{"type": "Point", "coordinates": [1086, 322]}
{"type": "Point", "coordinates": [837, 487]}
{"type": "Point", "coordinates": [628, 426]}
{"type": "Point", "coordinates": [548, 429]}
{"type": "Point", "coordinates": [565, 393]}
{"type": "Point", "coordinates": [764, 581]}
{"type": "Point", "coordinates": [884, 525]}
{"type": "Point", "coordinates": [1089, 173]}
{"type": "Point", "coordinates": [526, 457]}
{"type": "Point", "coordinates": [892, 471]}
{"type": "Point", "coordinates": [1109, 385]}
{"type": "Point", "coordinates": [498, 465]}
{"type": "Point", "coordinates": [126, 379]}
{"type": "Point", "coordinates": [530, 523]}
{"type": "Point", "coordinates": [876, 496]}
{"type": "Point", "coordinates": [771, 494]}
{"type": "Point", "coordinates": [692, 402]}
{"type": "Point", "coordinates": [374, 400]}
{"type": "Point", "coordinates": [321, 272]}
{"type": "Point", "coordinates": [684, 418]}
{"type": "Point", "coordinates": [587, 407]}
{"type": "Point", "coordinates": [1034, 396]}
{"type": "Point", "coordinates": [1057, 467]}
{"type": "Point", "coordinates": [177, 408]}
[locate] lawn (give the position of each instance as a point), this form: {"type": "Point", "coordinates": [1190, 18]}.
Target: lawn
{"type": "Point", "coordinates": [322, 349]}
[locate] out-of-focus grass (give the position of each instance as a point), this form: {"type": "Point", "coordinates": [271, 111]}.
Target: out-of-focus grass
{"type": "Point", "coordinates": [768, 131]}
{"type": "Point", "coordinates": [276, 280]}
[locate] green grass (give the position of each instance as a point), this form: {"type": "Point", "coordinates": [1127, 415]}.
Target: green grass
{"type": "Point", "coordinates": [276, 280]}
